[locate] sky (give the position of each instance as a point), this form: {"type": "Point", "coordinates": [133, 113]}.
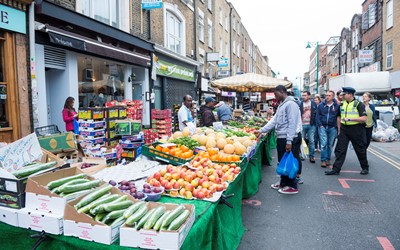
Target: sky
{"type": "Point", "coordinates": [282, 28]}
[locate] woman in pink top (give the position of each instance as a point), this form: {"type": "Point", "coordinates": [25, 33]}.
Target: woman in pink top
{"type": "Point", "coordinates": [69, 114]}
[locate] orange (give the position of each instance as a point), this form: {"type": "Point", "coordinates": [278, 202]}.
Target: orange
{"type": "Point", "coordinates": [159, 148]}
{"type": "Point", "coordinates": [184, 148]}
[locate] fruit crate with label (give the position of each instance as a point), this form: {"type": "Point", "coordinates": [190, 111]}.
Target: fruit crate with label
{"type": "Point", "coordinates": [135, 110]}
{"type": "Point", "coordinates": [154, 151]}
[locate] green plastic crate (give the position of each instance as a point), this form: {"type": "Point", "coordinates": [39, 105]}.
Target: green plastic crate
{"type": "Point", "coordinates": [171, 159]}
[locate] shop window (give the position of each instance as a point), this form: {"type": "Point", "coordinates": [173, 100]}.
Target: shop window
{"type": "Point", "coordinates": [100, 81]}
{"type": "Point", "coordinates": [389, 55]}
{"type": "Point", "coordinates": [4, 122]}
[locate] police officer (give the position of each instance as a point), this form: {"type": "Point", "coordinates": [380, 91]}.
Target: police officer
{"type": "Point", "coordinates": [352, 128]}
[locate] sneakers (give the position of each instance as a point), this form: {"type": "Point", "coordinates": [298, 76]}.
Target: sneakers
{"type": "Point", "coordinates": [323, 164]}
{"type": "Point", "coordinates": [276, 186]}
{"type": "Point", "coordinates": [288, 190]}
{"type": "Point", "coordinates": [364, 172]}
{"type": "Point", "coordinates": [299, 180]}
{"type": "Point", "coordinates": [312, 160]}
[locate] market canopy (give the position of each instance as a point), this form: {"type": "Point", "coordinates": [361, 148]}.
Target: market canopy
{"type": "Point", "coordinates": [249, 82]}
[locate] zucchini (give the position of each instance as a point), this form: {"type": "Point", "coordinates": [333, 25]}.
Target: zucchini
{"type": "Point", "coordinates": [78, 187]}
{"type": "Point", "coordinates": [93, 196]}
{"type": "Point", "coordinates": [172, 216]}
{"type": "Point", "coordinates": [117, 205]}
{"type": "Point", "coordinates": [74, 194]}
{"type": "Point", "coordinates": [118, 221]}
{"type": "Point", "coordinates": [158, 212]}
{"type": "Point", "coordinates": [72, 182]}
{"type": "Point", "coordinates": [99, 216]}
{"type": "Point", "coordinates": [145, 218]}
{"type": "Point", "coordinates": [27, 171]}
{"type": "Point", "coordinates": [157, 226]}
{"type": "Point", "coordinates": [132, 209]}
{"type": "Point", "coordinates": [100, 208]}
{"type": "Point", "coordinates": [137, 215]}
{"type": "Point", "coordinates": [113, 215]}
{"type": "Point", "coordinates": [59, 182]}
{"type": "Point", "coordinates": [177, 223]}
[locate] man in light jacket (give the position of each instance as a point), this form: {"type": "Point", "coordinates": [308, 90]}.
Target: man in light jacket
{"type": "Point", "coordinates": [286, 124]}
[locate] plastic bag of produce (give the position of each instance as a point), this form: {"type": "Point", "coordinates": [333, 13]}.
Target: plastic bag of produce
{"type": "Point", "coordinates": [288, 166]}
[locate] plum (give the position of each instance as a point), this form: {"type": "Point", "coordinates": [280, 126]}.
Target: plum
{"type": "Point", "coordinates": [139, 195]}
{"type": "Point", "coordinates": [124, 182]}
{"type": "Point", "coordinates": [133, 190]}
{"type": "Point", "coordinates": [157, 190]}
{"type": "Point", "coordinates": [112, 183]}
{"type": "Point", "coordinates": [147, 190]}
{"type": "Point", "coordinates": [146, 186]}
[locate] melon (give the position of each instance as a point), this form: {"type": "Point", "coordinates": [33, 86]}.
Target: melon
{"type": "Point", "coordinates": [230, 140]}
{"type": "Point", "coordinates": [239, 148]}
{"type": "Point", "coordinates": [186, 132]}
{"type": "Point", "coordinates": [196, 137]}
{"type": "Point", "coordinates": [221, 143]}
{"type": "Point", "coordinates": [220, 135]}
{"type": "Point", "coordinates": [229, 149]}
{"type": "Point", "coordinates": [211, 143]}
{"type": "Point", "coordinates": [203, 140]}
{"type": "Point", "coordinates": [199, 131]}
{"type": "Point", "coordinates": [209, 131]}
{"type": "Point", "coordinates": [247, 143]}
{"type": "Point", "coordinates": [177, 134]}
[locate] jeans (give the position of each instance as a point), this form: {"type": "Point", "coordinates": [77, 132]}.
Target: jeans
{"type": "Point", "coordinates": [281, 148]}
{"type": "Point", "coordinates": [327, 136]}
{"type": "Point", "coordinates": [309, 130]}
{"type": "Point", "coordinates": [369, 135]}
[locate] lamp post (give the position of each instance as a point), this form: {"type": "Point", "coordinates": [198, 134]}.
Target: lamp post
{"type": "Point", "coordinates": [316, 45]}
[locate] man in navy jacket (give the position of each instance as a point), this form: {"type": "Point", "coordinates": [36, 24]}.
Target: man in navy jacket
{"type": "Point", "coordinates": [308, 110]}
{"type": "Point", "coordinates": [328, 122]}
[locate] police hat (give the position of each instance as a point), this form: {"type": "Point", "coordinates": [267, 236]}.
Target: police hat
{"type": "Point", "coordinates": [348, 90]}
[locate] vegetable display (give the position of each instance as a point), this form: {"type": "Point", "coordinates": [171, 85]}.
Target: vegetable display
{"type": "Point", "coordinates": [33, 169]}
{"type": "Point", "coordinates": [187, 141]}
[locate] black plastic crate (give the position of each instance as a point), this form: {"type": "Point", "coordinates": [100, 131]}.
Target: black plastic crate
{"type": "Point", "coordinates": [47, 130]}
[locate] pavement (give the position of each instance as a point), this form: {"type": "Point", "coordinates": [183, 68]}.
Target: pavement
{"type": "Point", "coordinates": [346, 211]}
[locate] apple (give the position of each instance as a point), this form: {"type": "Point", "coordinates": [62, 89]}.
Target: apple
{"type": "Point", "coordinates": [168, 176]}
{"type": "Point", "coordinates": [208, 194]}
{"type": "Point", "coordinates": [175, 176]}
{"type": "Point", "coordinates": [176, 185]}
{"type": "Point", "coordinates": [218, 180]}
{"type": "Point", "coordinates": [181, 181]}
{"type": "Point", "coordinates": [237, 170]}
{"type": "Point", "coordinates": [182, 192]}
{"type": "Point", "coordinates": [189, 187]}
{"type": "Point", "coordinates": [195, 183]}
{"type": "Point", "coordinates": [164, 182]}
{"type": "Point", "coordinates": [163, 171]}
{"type": "Point", "coordinates": [188, 178]}
{"type": "Point", "coordinates": [157, 176]}
{"type": "Point", "coordinates": [156, 183]}
{"type": "Point", "coordinates": [205, 184]}
{"type": "Point", "coordinates": [211, 178]}
{"type": "Point", "coordinates": [231, 177]}
{"type": "Point", "coordinates": [182, 175]}
{"type": "Point", "coordinates": [225, 168]}
{"type": "Point", "coordinates": [168, 186]}
{"type": "Point", "coordinates": [174, 193]}
{"type": "Point", "coordinates": [201, 195]}
{"type": "Point", "coordinates": [213, 188]}
{"type": "Point", "coordinates": [201, 181]}
{"type": "Point", "coordinates": [220, 187]}
{"type": "Point", "coordinates": [196, 164]}
{"type": "Point", "coordinates": [188, 195]}
{"type": "Point", "coordinates": [200, 174]}
{"type": "Point", "coordinates": [196, 193]}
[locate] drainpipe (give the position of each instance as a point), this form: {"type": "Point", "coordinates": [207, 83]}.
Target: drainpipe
{"type": "Point", "coordinates": [194, 30]}
{"type": "Point", "coordinates": [230, 39]}
{"type": "Point", "coordinates": [34, 94]}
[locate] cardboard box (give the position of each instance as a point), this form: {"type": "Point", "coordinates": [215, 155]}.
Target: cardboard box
{"type": "Point", "coordinates": [127, 127]}
{"type": "Point", "coordinates": [9, 216]}
{"type": "Point", "coordinates": [151, 239]}
{"type": "Point", "coordinates": [97, 165]}
{"type": "Point", "coordinates": [38, 197]}
{"type": "Point", "coordinates": [85, 227]}
{"type": "Point", "coordinates": [12, 200]}
{"type": "Point", "coordinates": [58, 142]}
{"type": "Point", "coordinates": [40, 221]}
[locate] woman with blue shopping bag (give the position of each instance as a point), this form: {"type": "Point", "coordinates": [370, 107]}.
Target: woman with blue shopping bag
{"type": "Point", "coordinates": [287, 125]}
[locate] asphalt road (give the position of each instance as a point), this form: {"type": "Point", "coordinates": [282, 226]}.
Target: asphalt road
{"type": "Point", "coordinates": [346, 211]}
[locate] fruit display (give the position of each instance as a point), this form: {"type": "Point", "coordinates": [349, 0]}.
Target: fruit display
{"type": "Point", "coordinates": [175, 150]}
{"type": "Point", "coordinates": [215, 155]}
{"type": "Point", "coordinates": [186, 141]}
{"type": "Point", "coordinates": [32, 169]}
{"type": "Point", "coordinates": [129, 187]}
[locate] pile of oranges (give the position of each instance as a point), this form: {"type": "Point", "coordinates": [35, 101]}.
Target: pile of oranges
{"type": "Point", "coordinates": [214, 155]}
{"type": "Point", "coordinates": [181, 151]}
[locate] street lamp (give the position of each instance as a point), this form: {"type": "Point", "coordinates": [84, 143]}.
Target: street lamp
{"type": "Point", "coordinates": [316, 45]}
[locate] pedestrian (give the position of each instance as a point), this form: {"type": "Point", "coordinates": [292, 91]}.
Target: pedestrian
{"type": "Point", "coordinates": [308, 109]}
{"type": "Point", "coordinates": [339, 96]}
{"type": "Point", "coordinates": [224, 112]}
{"type": "Point", "coordinates": [246, 104]}
{"type": "Point", "coordinates": [286, 124]}
{"type": "Point", "coordinates": [206, 112]}
{"type": "Point", "coordinates": [69, 114]}
{"type": "Point", "coordinates": [184, 113]}
{"type": "Point", "coordinates": [370, 123]}
{"type": "Point", "coordinates": [352, 128]}
{"type": "Point", "coordinates": [328, 122]}
{"type": "Point", "coordinates": [317, 100]}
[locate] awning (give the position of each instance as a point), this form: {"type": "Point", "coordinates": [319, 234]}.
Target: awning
{"type": "Point", "coordinates": [78, 42]}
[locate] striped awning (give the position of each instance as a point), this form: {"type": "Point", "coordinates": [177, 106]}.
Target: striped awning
{"type": "Point", "coordinates": [249, 82]}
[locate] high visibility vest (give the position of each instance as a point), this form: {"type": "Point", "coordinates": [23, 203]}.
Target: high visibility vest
{"type": "Point", "coordinates": [349, 110]}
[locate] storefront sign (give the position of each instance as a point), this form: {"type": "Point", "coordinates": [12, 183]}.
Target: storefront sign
{"type": "Point", "coordinates": [365, 56]}
{"type": "Point", "coordinates": [151, 4]}
{"type": "Point", "coordinates": [223, 62]}
{"type": "Point", "coordinates": [67, 41]}
{"type": "Point", "coordinates": [228, 94]}
{"type": "Point", "coordinates": [12, 19]}
{"type": "Point", "coordinates": [371, 68]}
{"type": "Point", "coordinates": [171, 70]}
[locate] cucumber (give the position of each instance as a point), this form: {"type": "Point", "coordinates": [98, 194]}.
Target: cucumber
{"type": "Point", "coordinates": [100, 208]}
{"type": "Point", "coordinates": [74, 194]}
{"type": "Point", "coordinates": [132, 209]}
{"type": "Point", "coordinates": [73, 182]}
{"type": "Point", "coordinates": [177, 223]}
{"type": "Point", "coordinates": [93, 196]}
{"type": "Point", "coordinates": [117, 205]}
{"type": "Point", "coordinates": [113, 215]}
{"type": "Point", "coordinates": [172, 216]}
{"type": "Point", "coordinates": [27, 171]}
{"type": "Point", "coordinates": [137, 215]}
{"type": "Point", "coordinates": [118, 221]}
{"type": "Point", "coordinates": [59, 182]}
{"type": "Point", "coordinates": [158, 212]}
{"type": "Point", "coordinates": [99, 216]}
{"type": "Point", "coordinates": [78, 187]}
{"type": "Point", "coordinates": [157, 226]}
{"type": "Point", "coordinates": [104, 199]}
{"type": "Point", "coordinates": [145, 218]}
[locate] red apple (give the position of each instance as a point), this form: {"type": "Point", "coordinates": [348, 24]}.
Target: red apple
{"type": "Point", "coordinates": [176, 185]}
{"type": "Point", "coordinates": [201, 195]}
{"type": "Point", "coordinates": [157, 175]}
{"type": "Point", "coordinates": [188, 195]}
{"type": "Point", "coordinates": [189, 187]}
{"type": "Point", "coordinates": [205, 184]}
{"type": "Point", "coordinates": [168, 186]}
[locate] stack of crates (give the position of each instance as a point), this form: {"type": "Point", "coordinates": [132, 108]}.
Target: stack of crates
{"type": "Point", "coordinates": [92, 126]}
{"type": "Point", "coordinates": [135, 109]}
{"type": "Point", "coordinates": [150, 136]}
{"type": "Point", "coordinates": [112, 114]}
{"type": "Point", "coordinates": [162, 122]}
{"type": "Point", "coordinates": [132, 146]}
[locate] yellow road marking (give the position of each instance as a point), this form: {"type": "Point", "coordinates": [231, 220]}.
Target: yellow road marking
{"type": "Point", "coordinates": [385, 158]}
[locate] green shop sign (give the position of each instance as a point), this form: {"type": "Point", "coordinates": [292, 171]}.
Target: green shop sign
{"type": "Point", "coordinates": [171, 70]}
{"type": "Point", "coordinates": [12, 19]}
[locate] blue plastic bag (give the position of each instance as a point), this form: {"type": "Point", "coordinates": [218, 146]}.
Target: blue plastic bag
{"type": "Point", "coordinates": [76, 127]}
{"type": "Point", "coordinates": [288, 166]}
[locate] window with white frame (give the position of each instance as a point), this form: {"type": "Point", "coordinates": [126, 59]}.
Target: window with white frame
{"type": "Point", "coordinates": [221, 17]}
{"type": "Point", "coordinates": [389, 55]}
{"type": "Point", "coordinates": [209, 38]}
{"type": "Point", "coordinates": [174, 33]}
{"type": "Point", "coordinates": [226, 23]}
{"type": "Point", "coordinates": [220, 47]}
{"type": "Point", "coordinates": [209, 5]}
{"type": "Point", "coordinates": [353, 38]}
{"type": "Point", "coordinates": [371, 14]}
{"type": "Point", "coordinates": [357, 38]}
{"type": "Point", "coordinates": [234, 23]}
{"type": "Point", "coordinates": [389, 14]}
{"type": "Point", "coordinates": [234, 47]}
{"type": "Point", "coordinates": [201, 26]}
{"type": "Point", "coordinates": [109, 12]}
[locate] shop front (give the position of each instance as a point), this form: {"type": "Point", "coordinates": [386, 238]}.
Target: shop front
{"type": "Point", "coordinates": [72, 62]}
{"type": "Point", "coordinates": [14, 84]}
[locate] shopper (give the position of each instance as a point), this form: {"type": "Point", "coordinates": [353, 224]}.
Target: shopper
{"type": "Point", "coordinates": [308, 109]}
{"type": "Point", "coordinates": [286, 124]}
{"type": "Point", "coordinates": [224, 112]}
{"type": "Point", "coordinates": [328, 122]}
{"type": "Point", "coordinates": [184, 113]}
{"type": "Point", "coordinates": [317, 100]}
{"type": "Point", "coordinates": [370, 123]}
{"type": "Point", "coordinates": [339, 97]}
{"type": "Point", "coordinates": [206, 112]}
{"type": "Point", "coordinates": [69, 114]}
{"type": "Point", "coordinates": [352, 128]}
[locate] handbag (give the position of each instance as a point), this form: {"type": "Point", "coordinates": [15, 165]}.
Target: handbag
{"type": "Point", "coordinates": [288, 166]}
{"type": "Point", "coordinates": [76, 127]}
